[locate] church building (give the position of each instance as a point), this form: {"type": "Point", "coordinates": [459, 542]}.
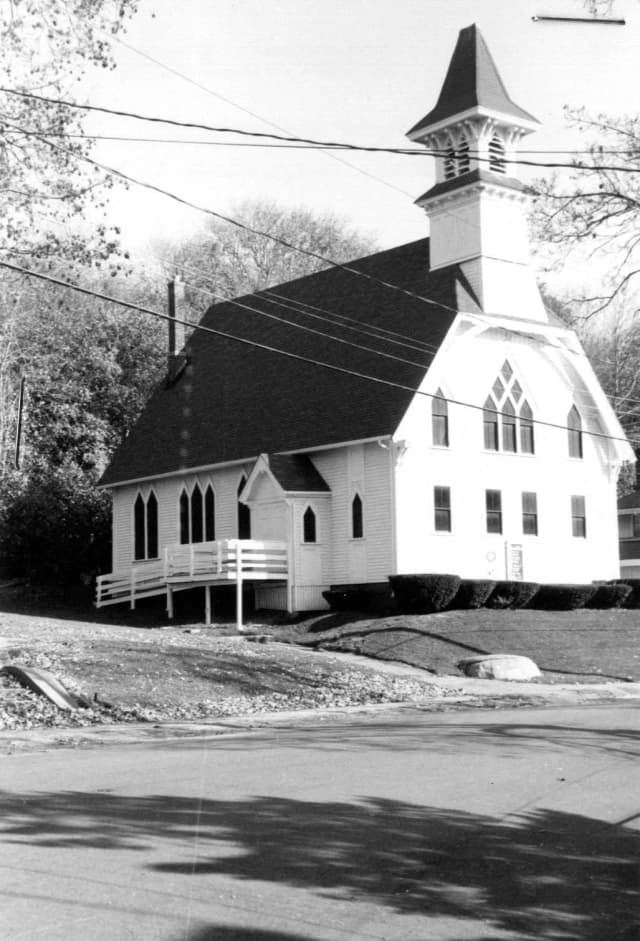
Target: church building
{"type": "Point", "coordinates": [416, 410]}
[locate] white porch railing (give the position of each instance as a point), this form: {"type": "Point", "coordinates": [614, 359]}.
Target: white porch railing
{"type": "Point", "coordinates": [203, 563]}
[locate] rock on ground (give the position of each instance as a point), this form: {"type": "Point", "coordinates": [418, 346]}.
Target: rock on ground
{"type": "Point", "coordinates": [500, 667]}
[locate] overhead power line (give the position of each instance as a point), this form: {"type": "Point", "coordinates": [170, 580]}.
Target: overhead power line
{"type": "Point", "coordinates": [126, 139]}
{"type": "Point", "coordinates": [309, 360]}
{"type": "Point", "coordinates": [326, 145]}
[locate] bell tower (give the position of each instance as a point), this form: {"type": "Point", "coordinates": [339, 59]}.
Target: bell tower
{"type": "Point", "coordinates": [477, 207]}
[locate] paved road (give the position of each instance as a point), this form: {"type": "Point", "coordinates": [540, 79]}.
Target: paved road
{"type": "Point", "coordinates": [471, 825]}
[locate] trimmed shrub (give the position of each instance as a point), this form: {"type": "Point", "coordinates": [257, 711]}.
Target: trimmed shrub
{"type": "Point", "coordinates": [633, 598]}
{"type": "Point", "coordinates": [472, 593]}
{"type": "Point", "coordinates": [376, 599]}
{"type": "Point", "coordinates": [424, 594]}
{"type": "Point", "coordinates": [609, 596]}
{"type": "Point", "coordinates": [563, 597]}
{"type": "Point", "coordinates": [512, 594]}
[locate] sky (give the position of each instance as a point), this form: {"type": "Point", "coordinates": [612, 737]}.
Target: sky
{"type": "Point", "coordinates": [362, 71]}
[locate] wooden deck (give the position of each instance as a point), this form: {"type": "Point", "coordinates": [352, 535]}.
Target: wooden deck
{"type": "Point", "coordinates": [203, 564]}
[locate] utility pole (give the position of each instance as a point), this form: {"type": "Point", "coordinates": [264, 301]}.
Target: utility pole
{"type": "Point", "coordinates": [19, 427]}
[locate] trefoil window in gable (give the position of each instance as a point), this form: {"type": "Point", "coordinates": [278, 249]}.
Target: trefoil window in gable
{"type": "Point", "coordinates": [440, 420]}
{"type": "Point", "coordinates": [145, 527]}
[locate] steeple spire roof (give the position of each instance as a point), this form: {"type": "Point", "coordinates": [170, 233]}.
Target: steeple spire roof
{"type": "Point", "coordinates": [472, 80]}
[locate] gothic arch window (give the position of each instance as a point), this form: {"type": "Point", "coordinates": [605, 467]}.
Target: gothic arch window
{"type": "Point", "coordinates": [209, 514]}
{"type": "Point", "coordinates": [309, 529]}
{"type": "Point", "coordinates": [244, 514]}
{"type": "Point", "coordinates": [497, 155]}
{"type": "Point", "coordinates": [440, 420]}
{"type": "Point", "coordinates": [145, 527]}
{"type": "Point", "coordinates": [184, 518]}
{"type": "Point", "coordinates": [574, 428]}
{"type": "Point", "coordinates": [526, 429]}
{"type": "Point", "coordinates": [509, 439]}
{"type": "Point", "coordinates": [197, 515]}
{"type": "Point", "coordinates": [464, 163]}
{"type": "Point", "coordinates": [357, 517]}
{"type": "Point", "coordinates": [507, 416]}
{"type": "Point", "coordinates": [490, 421]}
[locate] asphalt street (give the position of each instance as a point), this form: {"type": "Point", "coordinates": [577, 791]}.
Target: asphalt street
{"type": "Point", "coordinates": [495, 824]}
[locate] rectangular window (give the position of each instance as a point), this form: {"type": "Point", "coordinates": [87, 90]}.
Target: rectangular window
{"type": "Point", "coordinates": [494, 511]}
{"type": "Point", "coordinates": [442, 509]}
{"type": "Point", "coordinates": [529, 514]}
{"type": "Point", "coordinates": [625, 525]}
{"type": "Point", "coordinates": [578, 517]}
{"type": "Point", "coordinates": [490, 432]}
{"type": "Point", "coordinates": [575, 443]}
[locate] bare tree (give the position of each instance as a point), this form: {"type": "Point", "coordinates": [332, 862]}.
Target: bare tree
{"type": "Point", "coordinates": [223, 261]}
{"type": "Point", "coordinates": [594, 215]}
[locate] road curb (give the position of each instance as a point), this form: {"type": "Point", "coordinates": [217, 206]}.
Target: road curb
{"type": "Point", "coordinates": [474, 695]}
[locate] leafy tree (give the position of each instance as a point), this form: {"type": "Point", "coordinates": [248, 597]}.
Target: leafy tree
{"type": "Point", "coordinates": [47, 45]}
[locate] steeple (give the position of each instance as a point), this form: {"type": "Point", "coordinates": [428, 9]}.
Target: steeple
{"type": "Point", "coordinates": [472, 83]}
{"type": "Point", "coordinates": [476, 208]}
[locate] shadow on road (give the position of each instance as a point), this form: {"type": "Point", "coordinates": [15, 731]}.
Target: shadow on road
{"type": "Point", "coordinates": [540, 874]}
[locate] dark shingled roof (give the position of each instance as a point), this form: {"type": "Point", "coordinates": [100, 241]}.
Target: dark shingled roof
{"type": "Point", "coordinates": [297, 473]}
{"type": "Point", "coordinates": [472, 79]}
{"type": "Point", "coordinates": [235, 401]}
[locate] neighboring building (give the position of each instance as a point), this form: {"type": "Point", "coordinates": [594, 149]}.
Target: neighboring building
{"type": "Point", "coordinates": [486, 447]}
{"type": "Point", "coordinates": [629, 531]}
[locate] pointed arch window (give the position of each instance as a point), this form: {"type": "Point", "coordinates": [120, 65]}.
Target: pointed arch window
{"type": "Point", "coordinates": [309, 533]}
{"type": "Point", "coordinates": [139, 514]}
{"type": "Point", "coordinates": [490, 421]}
{"type": "Point", "coordinates": [357, 519]}
{"type": "Point", "coordinates": [464, 163]}
{"type": "Point", "coordinates": [574, 429]}
{"type": "Point", "coordinates": [526, 429]}
{"type": "Point", "coordinates": [497, 155]}
{"type": "Point", "coordinates": [244, 514]}
{"type": "Point", "coordinates": [440, 420]}
{"type": "Point", "coordinates": [513, 430]}
{"type": "Point", "coordinates": [196, 514]}
{"type": "Point", "coordinates": [509, 438]}
{"type": "Point", "coordinates": [184, 518]}
{"type": "Point", "coordinates": [209, 514]}
{"type": "Point", "coordinates": [145, 527]}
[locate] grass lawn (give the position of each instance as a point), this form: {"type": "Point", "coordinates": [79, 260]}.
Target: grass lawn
{"type": "Point", "coordinates": [580, 646]}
